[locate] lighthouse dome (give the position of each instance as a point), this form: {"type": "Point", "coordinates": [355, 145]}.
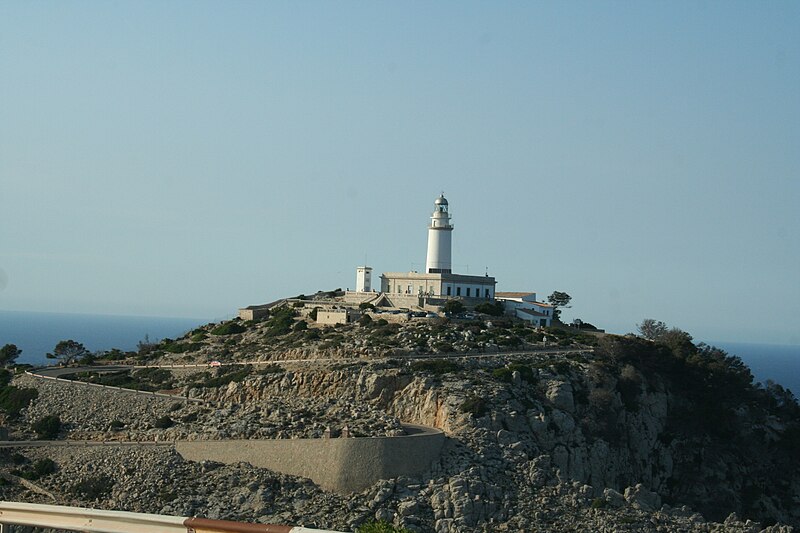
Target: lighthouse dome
{"type": "Point", "coordinates": [441, 200]}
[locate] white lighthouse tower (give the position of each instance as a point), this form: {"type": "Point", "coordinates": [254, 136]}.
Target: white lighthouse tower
{"type": "Point", "coordinates": [440, 234]}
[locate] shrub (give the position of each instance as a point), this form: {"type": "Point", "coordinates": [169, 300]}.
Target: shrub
{"type": "Point", "coordinates": [94, 487]}
{"type": "Point", "coordinates": [365, 305]}
{"type": "Point", "coordinates": [152, 379]}
{"type": "Point", "coordinates": [47, 427]}
{"type": "Point", "coordinates": [114, 354]}
{"type": "Point", "coordinates": [365, 320]}
{"type": "Point", "coordinates": [44, 467]}
{"type": "Point", "coordinates": [454, 307]}
{"type": "Point", "coordinates": [562, 367]}
{"type": "Point", "coordinates": [381, 322]}
{"type": "Point", "coordinates": [435, 366]}
{"type": "Point", "coordinates": [599, 503]}
{"type": "Point", "coordinates": [176, 347]}
{"type": "Point", "coordinates": [227, 376]}
{"type": "Point", "coordinates": [506, 373]}
{"type": "Point", "coordinates": [197, 337]}
{"type": "Point", "coordinates": [443, 347]}
{"type": "Point", "coordinates": [228, 328]}
{"type": "Point", "coordinates": [474, 405]}
{"type": "Point", "coordinates": [301, 325]}
{"type": "Point", "coordinates": [281, 322]}
{"type": "Point", "coordinates": [117, 424]}
{"type": "Point", "coordinates": [163, 422]}
{"type": "Point", "coordinates": [13, 399]}
{"type": "Point", "coordinates": [493, 309]}
{"type": "Point", "coordinates": [503, 374]}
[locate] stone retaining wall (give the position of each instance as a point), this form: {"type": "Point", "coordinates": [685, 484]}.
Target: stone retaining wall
{"type": "Point", "coordinates": [342, 465]}
{"type": "Point", "coordinates": [117, 389]}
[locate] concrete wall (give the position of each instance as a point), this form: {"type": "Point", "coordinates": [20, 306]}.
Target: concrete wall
{"type": "Point", "coordinates": [340, 465]}
{"type": "Point", "coordinates": [337, 316]}
{"type": "Point", "coordinates": [253, 314]}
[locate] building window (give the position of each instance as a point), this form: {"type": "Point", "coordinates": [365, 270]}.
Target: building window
{"type": "Point", "coordinates": [468, 289]}
{"type": "Point", "coordinates": [449, 290]}
{"type": "Point", "coordinates": [487, 293]}
{"type": "Point", "coordinates": [458, 291]}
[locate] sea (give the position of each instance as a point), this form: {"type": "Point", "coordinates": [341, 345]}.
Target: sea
{"type": "Point", "coordinates": [36, 334]}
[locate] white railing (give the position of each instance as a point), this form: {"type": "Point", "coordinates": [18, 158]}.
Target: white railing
{"type": "Point", "coordinates": [98, 521]}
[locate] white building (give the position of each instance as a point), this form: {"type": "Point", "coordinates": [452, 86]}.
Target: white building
{"type": "Point", "coordinates": [438, 281]}
{"type": "Point", "coordinates": [364, 279]}
{"type": "Point", "coordinates": [524, 305]}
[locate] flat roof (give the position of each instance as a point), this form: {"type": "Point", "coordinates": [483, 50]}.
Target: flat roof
{"type": "Point", "coordinates": [531, 312]}
{"type": "Point", "coordinates": [512, 294]}
{"type": "Point", "coordinates": [463, 278]}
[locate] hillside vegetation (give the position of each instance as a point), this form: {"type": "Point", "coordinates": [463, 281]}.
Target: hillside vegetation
{"type": "Point", "coordinates": [613, 432]}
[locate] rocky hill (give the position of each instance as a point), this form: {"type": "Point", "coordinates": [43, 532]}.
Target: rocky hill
{"type": "Point", "coordinates": [618, 433]}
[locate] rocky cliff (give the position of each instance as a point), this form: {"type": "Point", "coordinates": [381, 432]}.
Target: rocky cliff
{"type": "Point", "coordinates": [622, 434]}
{"type": "Point", "coordinates": [605, 419]}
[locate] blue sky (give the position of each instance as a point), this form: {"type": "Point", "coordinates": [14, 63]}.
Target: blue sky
{"type": "Point", "coordinates": [188, 158]}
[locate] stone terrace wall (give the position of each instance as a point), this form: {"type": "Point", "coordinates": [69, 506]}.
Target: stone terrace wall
{"type": "Point", "coordinates": [342, 465]}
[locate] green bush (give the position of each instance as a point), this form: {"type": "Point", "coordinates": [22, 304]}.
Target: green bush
{"type": "Point", "coordinates": [443, 347]}
{"type": "Point", "coordinates": [435, 366]}
{"type": "Point", "coordinates": [365, 305]}
{"type": "Point", "coordinates": [454, 307]}
{"type": "Point", "coordinates": [503, 374]}
{"type": "Point", "coordinates": [281, 322]}
{"type": "Point", "coordinates": [506, 373]}
{"type": "Point", "coordinates": [163, 422]}
{"type": "Point", "coordinates": [38, 469]}
{"type": "Point", "coordinates": [177, 347]}
{"type": "Point", "coordinates": [94, 487]}
{"type": "Point", "coordinates": [301, 325]}
{"type": "Point", "coordinates": [312, 334]}
{"type": "Point", "coordinates": [47, 427]}
{"type": "Point", "coordinates": [13, 399]}
{"type": "Point", "coordinates": [117, 424]}
{"type": "Point", "coordinates": [228, 328]}
{"type": "Point", "coordinates": [44, 467]}
{"type": "Point", "coordinates": [365, 320]}
{"type": "Point", "coordinates": [200, 336]}
{"type": "Point", "coordinates": [227, 375]}
{"type": "Point", "coordinates": [114, 354]}
{"type": "Point", "coordinates": [493, 309]}
{"type": "Point", "coordinates": [599, 503]}
{"type": "Point", "coordinates": [475, 405]}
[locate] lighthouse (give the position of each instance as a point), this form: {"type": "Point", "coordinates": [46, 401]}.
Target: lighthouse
{"type": "Point", "coordinates": [437, 283]}
{"type": "Point", "coordinates": [440, 234]}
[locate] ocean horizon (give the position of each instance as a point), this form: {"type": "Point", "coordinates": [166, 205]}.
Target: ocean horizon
{"type": "Point", "coordinates": [37, 333]}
